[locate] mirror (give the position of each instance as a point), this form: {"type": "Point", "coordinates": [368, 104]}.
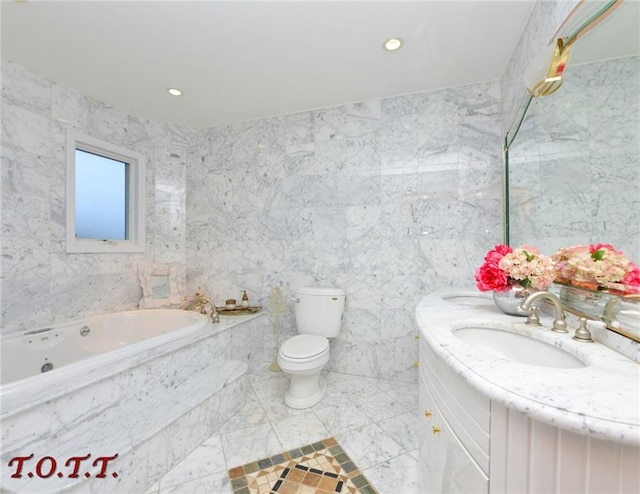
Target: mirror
{"type": "Point", "coordinates": [574, 165]}
{"type": "Point", "coordinates": [162, 284]}
{"type": "Point", "coordinates": [573, 157]}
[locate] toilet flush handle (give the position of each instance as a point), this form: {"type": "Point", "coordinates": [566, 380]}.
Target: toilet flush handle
{"type": "Point", "coordinates": [295, 299]}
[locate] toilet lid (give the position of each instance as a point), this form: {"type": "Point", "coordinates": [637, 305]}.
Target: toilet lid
{"type": "Point", "coordinates": [304, 346]}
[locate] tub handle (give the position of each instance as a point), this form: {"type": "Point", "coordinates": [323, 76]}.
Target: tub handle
{"type": "Point", "coordinates": [37, 331]}
{"type": "Point", "coordinates": [85, 330]}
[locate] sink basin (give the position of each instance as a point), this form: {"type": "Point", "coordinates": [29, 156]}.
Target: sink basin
{"type": "Point", "coordinates": [518, 348]}
{"type": "Point", "coordinates": [468, 299]}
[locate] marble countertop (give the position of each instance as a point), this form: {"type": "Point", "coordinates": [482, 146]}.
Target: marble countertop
{"type": "Point", "coordinates": [601, 399]}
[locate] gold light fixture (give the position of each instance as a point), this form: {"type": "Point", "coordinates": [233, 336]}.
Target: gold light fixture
{"type": "Point", "coordinates": [543, 78]}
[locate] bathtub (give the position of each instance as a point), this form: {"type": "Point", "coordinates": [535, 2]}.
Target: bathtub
{"type": "Point", "coordinates": [40, 350]}
{"type": "Point", "coordinates": [144, 388]}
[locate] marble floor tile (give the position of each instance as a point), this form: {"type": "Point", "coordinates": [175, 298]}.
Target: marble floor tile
{"type": "Point", "coordinates": [369, 445]}
{"type": "Point", "coordinates": [380, 406]}
{"type": "Point", "coordinates": [407, 395]}
{"type": "Point", "coordinates": [153, 489]}
{"type": "Point", "coordinates": [370, 418]}
{"type": "Point", "coordinates": [207, 458]}
{"type": "Point", "coordinates": [216, 483]}
{"type": "Point", "coordinates": [301, 429]}
{"type": "Point", "coordinates": [395, 476]}
{"type": "Point", "coordinates": [249, 444]}
{"type": "Point", "coordinates": [403, 428]}
{"type": "Point", "coordinates": [341, 417]}
{"type": "Point", "coordinates": [251, 414]}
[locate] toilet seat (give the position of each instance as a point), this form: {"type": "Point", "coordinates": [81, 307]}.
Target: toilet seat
{"type": "Point", "coordinates": [304, 347]}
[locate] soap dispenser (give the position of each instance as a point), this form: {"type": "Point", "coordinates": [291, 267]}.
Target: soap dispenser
{"type": "Point", "coordinates": [245, 300]}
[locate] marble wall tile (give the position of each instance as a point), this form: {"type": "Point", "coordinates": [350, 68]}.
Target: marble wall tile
{"type": "Point", "coordinates": [355, 191]}
{"type": "Point", "coordinates": [387, 199]}
{"type": "Point", "coordinates": [35, 266]}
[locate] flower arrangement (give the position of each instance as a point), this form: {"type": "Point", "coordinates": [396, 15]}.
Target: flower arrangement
{"type": "Point", "coordinates": [504, 267]}
{"type": "Point", "coordinates": [597, 267]}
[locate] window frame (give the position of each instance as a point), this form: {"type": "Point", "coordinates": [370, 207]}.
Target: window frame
{"type": "Point", "coordinates": [135, 220]}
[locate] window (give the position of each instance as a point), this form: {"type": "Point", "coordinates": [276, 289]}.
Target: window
{"type": "Point", "coordinates": [105, 196]}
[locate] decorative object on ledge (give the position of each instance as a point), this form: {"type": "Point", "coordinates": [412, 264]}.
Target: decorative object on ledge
{"type": "Point", "coordinates": [619, 314]}
{"type": "Point", "coordinates": [583, 302]}
{"type": "Point", "coordinates": [597, 267]}
{"type": "Point", "coordinates": [622, 315]}
{"type": "Point", "coordinates": [512, 275]}
{"type": "Point", "coordinates": [239, 311]}
{"type": "Point", "coordinates": [162, 284]}
{"type": "Point", "coordinates": [509, 301]}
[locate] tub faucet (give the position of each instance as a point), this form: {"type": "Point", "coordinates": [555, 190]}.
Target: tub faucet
{"type": "Point", "coordinates": [559, 323]}
{"type": "Point", "coordinates": [200, 302]}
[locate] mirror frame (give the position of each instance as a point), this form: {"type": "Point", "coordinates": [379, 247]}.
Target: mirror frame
{"type": "Point", "coordinates": [175, 284]}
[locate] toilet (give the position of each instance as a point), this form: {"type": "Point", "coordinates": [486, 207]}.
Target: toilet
{"type": "Point", "coordinates": [318, 313]}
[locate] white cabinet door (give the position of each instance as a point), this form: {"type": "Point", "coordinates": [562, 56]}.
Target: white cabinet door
{"type": "Point", "coordinates": [446, 467]}
{"type": "Point", "coordinates": [456, 471]}
{"type": "Point", "coordinates": [427, 454]}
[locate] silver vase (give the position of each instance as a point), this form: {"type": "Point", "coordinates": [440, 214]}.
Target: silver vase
{"type": "Point", "coordinates": [510, 300]}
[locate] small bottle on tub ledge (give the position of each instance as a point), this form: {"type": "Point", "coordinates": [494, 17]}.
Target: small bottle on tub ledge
{"type": "Point", "coordinates": [244, 303]}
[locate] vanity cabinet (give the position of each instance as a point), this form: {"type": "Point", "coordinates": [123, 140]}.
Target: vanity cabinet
{"type": "Point", "coordinates": [453, 431]}
{"type": "Point", "coordinates": [472, 444]}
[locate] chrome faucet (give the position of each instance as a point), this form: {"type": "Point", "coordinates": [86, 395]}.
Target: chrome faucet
{"type": "Point", "coordinates": [200, 302]}
{"type": "Point", "coordinates": [559, 323]}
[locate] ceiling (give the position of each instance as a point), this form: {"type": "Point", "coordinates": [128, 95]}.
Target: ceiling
{"type": "Point", "coordinates": [240, 60]}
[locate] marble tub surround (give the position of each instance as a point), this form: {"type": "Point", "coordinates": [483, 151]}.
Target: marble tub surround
{"type": "Point", "coordinates": [599, 400]}
{"type": "Point", "coordinates": [152, 409]}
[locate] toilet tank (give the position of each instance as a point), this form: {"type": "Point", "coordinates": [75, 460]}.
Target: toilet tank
{"type": "Point", "coordinates": [319, 310]}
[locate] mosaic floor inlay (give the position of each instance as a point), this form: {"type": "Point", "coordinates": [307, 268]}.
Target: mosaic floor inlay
{"type": "Point", "coordinates": [319, 468]}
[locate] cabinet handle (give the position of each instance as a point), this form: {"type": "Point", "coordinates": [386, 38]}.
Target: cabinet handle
{"type": "Point", "coordinates": [428, 413]}
{"type": "Point", "coordinates": [417, 337]}
{"type": "Point", "coordinates": [435, 429]}
{"type": "Point", "coordinates": [417, 364]}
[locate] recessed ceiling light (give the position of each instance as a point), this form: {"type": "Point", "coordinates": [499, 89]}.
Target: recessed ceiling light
{"type": "Point", "coordinates": [393, 44]}
{"type": "Point", "coordinates": [174, 92]}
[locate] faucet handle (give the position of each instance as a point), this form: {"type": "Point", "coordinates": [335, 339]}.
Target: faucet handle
{"type": "Point", "coordinates": [560, 324]}
{"type": "Point", "coordinates": [582, 333]}
{"type": "Point", "coordinates": [532, 318]}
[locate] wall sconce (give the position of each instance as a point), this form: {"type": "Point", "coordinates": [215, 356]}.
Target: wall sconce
{"type": "Point", "coordinates": [544, 74]}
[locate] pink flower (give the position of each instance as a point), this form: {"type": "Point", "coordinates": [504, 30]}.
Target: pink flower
{"type": "Point", "coordinates": [597, 247]}
{"type": "Point", "coordinates": [597, 265]}
{"type": "Point", "coordinates": [497, 253]}
{"type": "Point", "coordinates": [632, 278]}
{"type": "Point", "coordinates": [489, 277]}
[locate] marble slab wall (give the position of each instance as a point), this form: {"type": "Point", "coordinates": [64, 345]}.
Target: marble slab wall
{"type": "Point", "coordinates": [41, 283]}
{"type": "Point", "coordinates": [388, 199]}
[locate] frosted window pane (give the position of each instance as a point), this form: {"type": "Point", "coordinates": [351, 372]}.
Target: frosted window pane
{"type": "Point", "coordinates": [101, 197]}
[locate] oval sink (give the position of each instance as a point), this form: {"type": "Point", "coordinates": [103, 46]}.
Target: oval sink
{"type": "Point", "coordinates": [518, 348]}
{"type": "Point", "coordinates": [468, 299]}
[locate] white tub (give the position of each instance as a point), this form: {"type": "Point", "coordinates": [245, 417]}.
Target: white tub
{"type": "Point", "coordinates": [31, 353]}
{"type": "Point", "coordinates": [148, 386]}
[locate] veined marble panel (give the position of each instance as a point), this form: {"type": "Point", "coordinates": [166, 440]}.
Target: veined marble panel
{"type": "Point", "coordinates": [358, 197]}
{"type": "Point", "coordinates": [35, 266]}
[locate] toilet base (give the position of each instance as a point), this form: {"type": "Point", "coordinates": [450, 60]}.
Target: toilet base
{"type": "Point", "coordinates": [305, 391]}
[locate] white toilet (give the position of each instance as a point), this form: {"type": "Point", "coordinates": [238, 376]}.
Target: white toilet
{"type": "Point", "coordinates": [318, 317]}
